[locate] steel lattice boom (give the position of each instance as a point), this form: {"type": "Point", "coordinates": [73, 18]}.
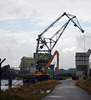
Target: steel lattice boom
{"type": "Point", "coordinates": [50, 43]}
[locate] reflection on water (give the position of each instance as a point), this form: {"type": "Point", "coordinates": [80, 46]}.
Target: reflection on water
{"type": "Point", "coordinates": [5, 84]}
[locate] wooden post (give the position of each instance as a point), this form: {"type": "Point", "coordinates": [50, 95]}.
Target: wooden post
{"type": "Point", "coordinates": [0, 74]}
{"type": "Point", "coordinates": [10, 83]}
{"type": "Point", "coordinates": [0, 70]}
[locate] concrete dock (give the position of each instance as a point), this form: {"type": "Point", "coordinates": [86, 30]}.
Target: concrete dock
{"type": "Point", "coordinates": [68, 91]}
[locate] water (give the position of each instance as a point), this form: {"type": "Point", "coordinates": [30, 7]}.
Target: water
{"type": "Point", "coordinates": [5, 84]}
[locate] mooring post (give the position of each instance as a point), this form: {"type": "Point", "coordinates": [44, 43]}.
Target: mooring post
{"type": "Point", "coordinates": [10, 83]}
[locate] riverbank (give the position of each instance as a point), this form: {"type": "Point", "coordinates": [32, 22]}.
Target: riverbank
{"type": "Point", "coordinates": [30, 92]}
{"type": "Point", "coordinates": [85, 84]}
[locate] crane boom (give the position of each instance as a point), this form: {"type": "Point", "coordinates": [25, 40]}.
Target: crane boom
{"type": "Point", "coordinates": [42, 41]}
{"type": "Point", "coordinates": [52, 24]}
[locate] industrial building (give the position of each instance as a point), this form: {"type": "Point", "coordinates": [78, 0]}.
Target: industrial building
{"type": "Point", "coordinates": [82, 63]}
{"type": "Point", "coordinates": [27, 65]}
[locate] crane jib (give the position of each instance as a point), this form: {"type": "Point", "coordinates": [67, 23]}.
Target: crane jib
{"type": "Point", "coordinates": [42, 41]}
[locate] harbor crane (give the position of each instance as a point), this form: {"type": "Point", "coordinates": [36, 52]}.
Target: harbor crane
{"type": "Point", "coordinates": [43, 56]}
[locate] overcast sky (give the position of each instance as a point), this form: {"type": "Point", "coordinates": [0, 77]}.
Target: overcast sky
{"type": "Point", "coordinates": [22, 20]}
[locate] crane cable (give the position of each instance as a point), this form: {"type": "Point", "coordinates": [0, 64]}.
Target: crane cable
{"type": "Point", "coordinates": [84, 41]}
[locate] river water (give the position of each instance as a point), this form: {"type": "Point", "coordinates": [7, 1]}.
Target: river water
{"type": "Point", "coordinates": [5, 84]}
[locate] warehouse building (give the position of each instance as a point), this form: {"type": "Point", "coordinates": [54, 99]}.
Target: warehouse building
{"type": "Point", "coordinates": [82, 63]}
{"type": "Point", "coordinates": [27, 65]}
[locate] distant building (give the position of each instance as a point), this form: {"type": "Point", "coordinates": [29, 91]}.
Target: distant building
{"type": "Point", "coordinates": [27, 65]}
{"type": "Point", "coordinates": [90, 68]}
{"type": "Point", "coordinates": [82, 63]}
